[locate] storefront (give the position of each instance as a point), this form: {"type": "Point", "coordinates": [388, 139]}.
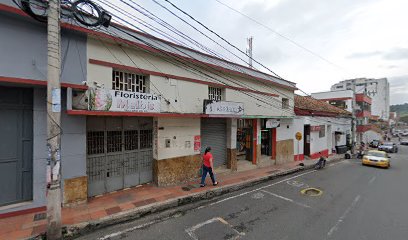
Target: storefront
{"type": "Point", "coordinates": [245, 146]}
{"type": "Point", "coordinates": [268, 137]}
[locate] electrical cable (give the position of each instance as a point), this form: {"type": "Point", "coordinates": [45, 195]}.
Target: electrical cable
{"type": "Point", "coordinates": [142, 30]}
{"type": "Point", "coordinates": [217, 63]}
{"type": "Point", "coordinates": [280, 35]}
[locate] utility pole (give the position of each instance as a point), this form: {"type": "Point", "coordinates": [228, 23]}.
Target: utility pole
{"type": "Point", "coordinates": [54, 122]}
{"type": "Point", "coordinates": [353, 121]}
{"type": "Point", "coordinates": [249, 50]}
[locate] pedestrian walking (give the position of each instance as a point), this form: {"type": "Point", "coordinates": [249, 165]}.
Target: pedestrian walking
{"type": "Point", "coordinates": [208, 167]}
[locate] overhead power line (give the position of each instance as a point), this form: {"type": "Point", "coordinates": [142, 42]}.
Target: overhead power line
{"type": "Point", "coordinates": [219, 36]}
{"type": "Point", "coordinates": [216, 34]}
{"type": "Point", "coordinates": [281, 35]}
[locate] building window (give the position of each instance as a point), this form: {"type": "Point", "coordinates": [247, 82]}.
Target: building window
{"type": "Point", "coordinates": [285, 103]}
{"type": "Point", "coordinates": [214, 94]}
{"type": "Point", "coordinates": [339, 87]}
{"type": "Point", "coordinates": [125, 81]}
{"type": "Point", "coordinates": [322, 131]}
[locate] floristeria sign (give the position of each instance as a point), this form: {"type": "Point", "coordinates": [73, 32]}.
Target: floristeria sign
{"type": "Point", "coordinates": [122, 101]}
{"type": "Point", "coordinates": [223, 107]}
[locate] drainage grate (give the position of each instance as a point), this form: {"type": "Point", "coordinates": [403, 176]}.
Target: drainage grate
{"type": "Point", "coordinates": [39, 216]}
{"type": "Point", "coordinates": [313, 192]}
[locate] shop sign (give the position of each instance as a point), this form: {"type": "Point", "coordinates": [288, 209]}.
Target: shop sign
{"type": "Point", "coordinates": [272, 123]}
{"type": "Point", "coordinates": [197, 143]}
{"type": "Point", "coordinates": [298, 136]}
{"type": "Point", "coordinates": [223, 107]}
{"type": "Point", "coordinates": [314, 128]}
{"type": "Point", "coordinates": [122, 101]}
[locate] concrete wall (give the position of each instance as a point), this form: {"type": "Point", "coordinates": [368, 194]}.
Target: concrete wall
{"type": "Point", "coordinates": [184, 96]}
{"type": "Point", "coordinates": [23, 50]}
{"type": "Point", "coordinates": [178, 131]}
{"type": "Point", "coordinates": [286, 130]}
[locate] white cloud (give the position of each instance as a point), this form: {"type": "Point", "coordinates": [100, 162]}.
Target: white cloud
{"type": "Point", "coordinates": [365, 38]}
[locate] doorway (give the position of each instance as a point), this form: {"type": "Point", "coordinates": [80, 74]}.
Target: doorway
{"type": "Point", "coordinates": [306, 139]}
{"type": "Point", "coordinates": [244, 139]}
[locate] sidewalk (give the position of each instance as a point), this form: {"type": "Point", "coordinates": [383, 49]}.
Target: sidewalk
{"type": "Point", "coordinates": [138, 201]}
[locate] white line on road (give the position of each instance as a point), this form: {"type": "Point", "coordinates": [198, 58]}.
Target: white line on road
{"type": "Point", "coordinates": [286, 199]}
{"type": "Point", "coordinates": [191, 231]}
{"type": "Point", "coordinates": [341, 219]}
{"type": "Point", "coordinates": [129, 230]}
{"type": "Point", "coordinates": [269, 185]}
{"type": "Point", "coordinates": [372, 180]}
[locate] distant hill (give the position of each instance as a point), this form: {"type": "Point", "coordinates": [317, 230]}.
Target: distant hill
{"type": "Point", "coordinates": [401, 109]}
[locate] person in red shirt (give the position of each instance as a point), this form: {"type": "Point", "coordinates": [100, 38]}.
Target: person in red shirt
{"type": "Point", "coordinates": [208, 167]}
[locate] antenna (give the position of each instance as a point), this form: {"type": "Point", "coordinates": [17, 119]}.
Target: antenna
{"type": "Point", "coordinates": [249, 50]}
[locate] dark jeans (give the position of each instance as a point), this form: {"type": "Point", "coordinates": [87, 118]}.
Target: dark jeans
{"type": "Point", "coordinates": [205, 171]}
{"type": "Point", "coordinates": [321, 163]}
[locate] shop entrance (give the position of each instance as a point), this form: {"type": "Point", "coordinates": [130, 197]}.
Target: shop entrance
{"type": "Point", "coordinates": [119, 153]}
{"type": "Point", "coordinates": [244, 139]}
{"type": "Point", "coordinates": [266, 142]}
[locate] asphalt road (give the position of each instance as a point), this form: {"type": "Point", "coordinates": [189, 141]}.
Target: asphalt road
{"type": "Point", "coordinates": [357, 202]}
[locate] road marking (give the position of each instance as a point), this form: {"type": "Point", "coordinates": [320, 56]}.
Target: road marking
{"type": "Point", "coordinates": [269, 185]}
{"type": "Point", "coordinates": [295, 183]}
{"type": "Point", "coordinates": [286, 199]}
{"type": "Point", "coordinates": [109, 236]}
{"type": "Point", "coordinates": [341, 219]}
{"type": "Point", "coordinates": [191, 231]}
{"type": "Point", "coordinates": [372, 180]}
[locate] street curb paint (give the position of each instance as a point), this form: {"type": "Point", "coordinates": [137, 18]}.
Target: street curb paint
{"type": "Point", "coordinates": [137, 213]}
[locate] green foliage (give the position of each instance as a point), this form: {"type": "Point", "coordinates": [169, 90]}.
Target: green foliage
{"type": "Point", "coordinates": [404, 118]}
{"type": "Point", "coordinates": [401, 109]}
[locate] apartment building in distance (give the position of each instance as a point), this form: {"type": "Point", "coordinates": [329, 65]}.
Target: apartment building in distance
{"type": "Point", "coordinates": [377, 89]}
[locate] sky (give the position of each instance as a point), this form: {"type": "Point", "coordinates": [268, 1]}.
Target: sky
{"type": "Point", "coordinates": [314, 43]}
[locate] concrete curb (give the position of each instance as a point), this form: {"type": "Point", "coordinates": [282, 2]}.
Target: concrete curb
{"type": "Point", "coordinates": [137, 213]}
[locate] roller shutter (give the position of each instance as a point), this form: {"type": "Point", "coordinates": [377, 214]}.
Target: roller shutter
{"type": "Point", "coordinates": [214, 134]}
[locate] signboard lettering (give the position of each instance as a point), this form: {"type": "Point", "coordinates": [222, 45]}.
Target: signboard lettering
{"type": "Point", "coordinates": [122, 101]}
{"type": "Point", "coordinates": [223, 107]}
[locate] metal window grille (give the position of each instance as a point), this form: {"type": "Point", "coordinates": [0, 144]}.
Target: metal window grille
{"type": "Point", "coordinates": [114, 141]}
{"type": "Point", "coordinates": [214, 93]}
{"type": "Point", "coordinates": [125, 81]}
{"type": "Point", "coordinates": [95, 142]}
{"type": "Point", "coordinates": [285, 103]}
{"type": "Point", "coordinates": [146, 139]}
{"type": "Point", "coordinates": [131, 140]}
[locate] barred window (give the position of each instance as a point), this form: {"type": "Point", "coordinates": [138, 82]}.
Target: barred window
{"type": "Point", "coordinates": [125, 81]}
{"type": "Point", "coordinates": [285, 103]}
{"type": "Point", "coordinates": [214, 94]}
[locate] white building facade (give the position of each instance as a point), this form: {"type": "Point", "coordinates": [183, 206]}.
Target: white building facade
{"type": "Point", "coordinates": [377, 89]}
{"type": "Point", "coordinates": [325, 129]}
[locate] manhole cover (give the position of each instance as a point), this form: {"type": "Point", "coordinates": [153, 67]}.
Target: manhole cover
{"type": "Point", "coordinates": [313, 192]}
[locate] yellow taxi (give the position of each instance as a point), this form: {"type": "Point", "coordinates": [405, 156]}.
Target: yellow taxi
{"type": "Point", "coordinates": [377, 158]}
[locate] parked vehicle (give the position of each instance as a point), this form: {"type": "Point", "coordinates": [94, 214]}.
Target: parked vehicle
{"type": "Point", "coordinates": [404, 141]}
{"type": "Point", "coordinates": [377, 158]}
{"type": "Point", "coordinates": [374, 143]}
{"type": "Point", "coordinates": [388, 147]}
